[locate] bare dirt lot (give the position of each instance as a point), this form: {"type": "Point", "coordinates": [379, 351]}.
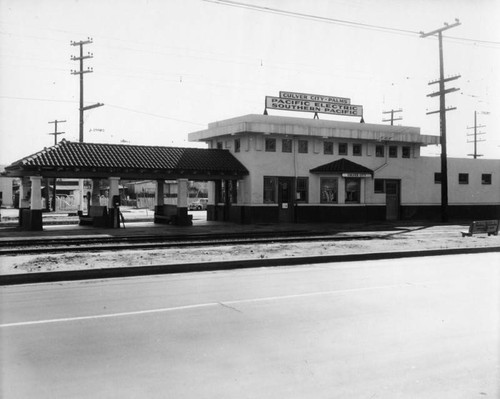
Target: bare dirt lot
{"type": "Point", "coordinates": [409, 239]}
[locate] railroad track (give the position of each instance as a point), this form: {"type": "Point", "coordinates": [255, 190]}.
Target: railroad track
{"type": "Point", "coordinates": [93, 244]}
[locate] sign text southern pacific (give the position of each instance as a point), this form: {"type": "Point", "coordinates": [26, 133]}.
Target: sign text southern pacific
{"type": "Point", "coordinates": [307, 105]}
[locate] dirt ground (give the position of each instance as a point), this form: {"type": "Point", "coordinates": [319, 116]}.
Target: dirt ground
{"type": "Point", "coordinates": [411, 240]}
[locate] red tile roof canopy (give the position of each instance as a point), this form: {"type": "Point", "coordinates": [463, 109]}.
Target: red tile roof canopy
{"type": "Point", "coordinates": [342, 166]}
{"type": "Point", "coordinates": [87, 160]}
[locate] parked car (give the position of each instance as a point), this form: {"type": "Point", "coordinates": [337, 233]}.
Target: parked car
{"type": "Point", "coordinates": [199, 204]}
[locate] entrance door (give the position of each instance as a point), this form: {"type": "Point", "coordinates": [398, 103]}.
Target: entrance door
{"type": "Point", "coordinates": [285, 199]}
{"type": "Point", "coordinates": [392, 199]}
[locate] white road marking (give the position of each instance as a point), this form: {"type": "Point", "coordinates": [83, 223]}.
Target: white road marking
{"type": "Point", "coordinates": [209, 304]}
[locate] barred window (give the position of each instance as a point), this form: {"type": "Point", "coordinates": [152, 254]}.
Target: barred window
{"type": "Point", "coordinates": [342, 148]}
{"type": "Point", "coordinates": [286, 145]}
{"type": "Point", "coordinates": [393, 151]}
{"type": "Point", "coordinates": [270, 145]}
{"type": "Point", "coordinates": [328, 148]}
{"type": "Point", "coordinates": [303, 148]}
{"type": "Point", "coordinates": [486, 178]}
{"type": "Point", "coordinates": [356, 150]}
{"type": "Point", "coordinates": [379, 151]}
{"type": "Point", "coordinates": [237, 145]}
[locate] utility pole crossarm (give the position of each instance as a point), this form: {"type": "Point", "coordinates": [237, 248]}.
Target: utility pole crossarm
{"type": "Point", "coordinates": [92, 106]}
{"type": "Point", "coordinates": [439, 93]}
{"type": "Point", "coordinates": [445, 27]}
{"type": "Point", "coordinates": [82, 42]}
{"type": "Point", "coordinates": [446, 110]}
{"type": "Point", "coordinates": [448, 79]}
{"type": "Point", "coordinates": [82, 72]}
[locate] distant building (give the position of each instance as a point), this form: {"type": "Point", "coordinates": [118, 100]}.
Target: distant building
{"type": "Point", "coordinates": [6, 190]}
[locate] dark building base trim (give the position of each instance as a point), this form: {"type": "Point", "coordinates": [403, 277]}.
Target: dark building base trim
{"type": "Point", "coordinates": [345, 214]}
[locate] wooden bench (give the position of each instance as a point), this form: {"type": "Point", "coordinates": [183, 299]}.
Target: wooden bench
{"type": "Point", "coordinates": [165, 214]}
{"type": "Point", "coordinates": [489, 227]}
{"type": "Point", "coordinates": [97, 217]}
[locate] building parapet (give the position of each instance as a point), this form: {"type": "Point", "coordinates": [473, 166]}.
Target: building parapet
{"type": "Point", "coordinates": [291, 126]}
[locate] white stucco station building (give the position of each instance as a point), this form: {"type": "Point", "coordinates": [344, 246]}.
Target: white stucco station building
{"type": "Point", "coordinates": [312, 170]}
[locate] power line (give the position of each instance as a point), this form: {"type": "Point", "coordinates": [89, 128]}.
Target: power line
{"type": "Point", "coordinates": [155, 115]}
{"type": "Point", "coordinates": [309, 16]}
{"type": "Point", "coordinates": [109, 105]}
{"type": "Point", "coordinates": [37, 99]}
{"type": "Point", "coordinates": [343, 22]}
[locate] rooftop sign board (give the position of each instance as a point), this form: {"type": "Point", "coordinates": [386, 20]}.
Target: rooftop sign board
{"type": "Point", "coordinates": [314, 97]}
{"type": "Point", "coordinates": [301, 102]}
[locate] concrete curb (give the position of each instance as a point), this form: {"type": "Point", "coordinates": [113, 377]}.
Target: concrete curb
{"type": "Point", "coordinates": [134, 271]}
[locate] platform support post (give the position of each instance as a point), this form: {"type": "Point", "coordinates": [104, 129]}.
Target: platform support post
{"type": "Point", "coordinates": [95, 201]}
{"type": "Point", "coordinates": [160, 192]}
{"type": "Point", "coordinates": [114, 190]}
{"type": "Point", "coordinates": [182, 199]}
{"type": "Point", "coordinates": [24, 193]}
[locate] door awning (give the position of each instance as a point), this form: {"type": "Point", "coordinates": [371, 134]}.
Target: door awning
{"type": "Point", "coordinates": [345, 167]}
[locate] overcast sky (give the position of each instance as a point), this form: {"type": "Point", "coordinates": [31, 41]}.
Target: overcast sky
{"type": "Point", "coordinates": [165, 68]}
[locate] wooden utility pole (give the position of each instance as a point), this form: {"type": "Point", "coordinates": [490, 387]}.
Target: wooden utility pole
{"type": "Point", "coordinates": [475, 134]}
{"type": "Point", "coordinates": [81, 72]}
{"type": "Point", "coordinates": [392, 112]}
{"type": "Point", "coordinates": [55, 134]}
{"type": "Point", "coordinates": [442, 114]}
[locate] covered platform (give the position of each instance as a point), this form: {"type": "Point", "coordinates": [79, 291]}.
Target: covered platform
{"type": "Point", "coordinates": [116, 163]}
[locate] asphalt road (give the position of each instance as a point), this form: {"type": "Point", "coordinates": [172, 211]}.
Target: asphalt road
{"type": "Point", "coordinates": [412, 328]}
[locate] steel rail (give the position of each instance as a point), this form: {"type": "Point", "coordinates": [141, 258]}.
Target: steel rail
{"type": "Point", "coordinates": [83, 245]}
